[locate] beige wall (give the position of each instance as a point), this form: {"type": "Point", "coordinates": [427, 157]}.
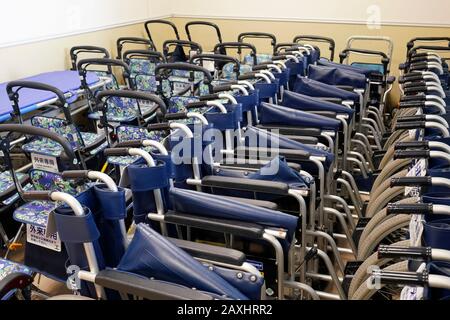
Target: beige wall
{"type": "Point", "coordinates": [50, 55]}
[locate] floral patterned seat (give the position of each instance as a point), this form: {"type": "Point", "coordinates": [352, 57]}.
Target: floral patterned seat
{"type": "Point", "coordinates": [228, 70]}
{"type": "Point", "coordinates": [60, 126]}
{"type": "Point", "coordinates": [36, 212]}
{"type": "Point", "coordinates": [8, 267]}
{"type": "Point", "coordinates": [6, 183]}
{"type": "Point", "coordinates": [260, 58]}
{"type": "Point", "coordinates": [128, 133]}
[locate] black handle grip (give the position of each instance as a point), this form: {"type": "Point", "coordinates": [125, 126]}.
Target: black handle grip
{"type": "Point", "coordinates": [75, 174]}
{"type": "Point", "coordinates": [408, 253]}
{"type": "Point", "coordinates": [314, 38]}
{"type": "Point", "coordinates": [183, 43]}
{"type": "Point", "coordinates": [248, 76]}
{"type": "Point", "coordinates": [411, 182]}
{"type": "Point", "coordinates": [198, 104]}
{"type": "Point", "coordinates": [83, 64]}
{"type": "Point", "coordinates": [158, 127]}
{"type": "Point", "coordinates": [258, 35]}
{"type": "Point", "coordinates": [345, 53]}
{"type": "Point", "coordinates": [419, 83]}
{"type": "Point", "coordinates": [410, 125]}
{"type": "Point", "coordinates": [176, 116]}
{"type": "Point", "coordinates": [417, 98]}
{"type": "Point", "coordinates": [416, 118]}
{"type": "Point", "coordinates": [416, 90]}
{"type": "Point", "coordinates": [214, 96]}
{"type": "Point", "coordinates": [411, 145]}
{"type": "Point", "coordinates": [221, 88]}
{"type": "Point", "coordinates": [19, 84]}
{"type": "Point", "coordinates": [289, 154]}
{"type": "Point", "coordinates": [412, 104]}
{"type": "Point", "coordinates": [418, 208]}
{"type": "Point", "coordinates": [151, 55]}
{"type": "Point", "coordinates": [411, 154]}
{"type": "Point", "coordinates": [37, 195]}
{"type": "Point", "coordinates": [132, 40]}
{"type": "Point", "coordinates": [412, 279]}
{"type": "Point", "coordinates": [116, 152]}
{"type": "Point", "coordinates": [202, 23]}
{"type": "Point", "coordinates": [75, 51]}
{"type": "Point", "coordinates": [411, 42]}
{"type": "Point", "coordinates": [159, 21]}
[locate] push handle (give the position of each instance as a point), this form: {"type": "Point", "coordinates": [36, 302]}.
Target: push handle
{"type": "Point", "coordinates": [36, 195]}
{"type": "Point", "coordinates": [133, 40]}
{"type": "Point", "coordinates": [401, 278]}
{"type": "Point", "coordinates": [74, 51]}
{"type": "Point", "coordinates": [418, 208]}
{"type": "Point", "coordinates": [75, 174]}
{"type": "Point", "coordinates": [414, 50]}
{"type": "Point", "coordinates": [221, 47]}
{"type": "Point", "coordinates": [158, 127]}
{"type": "Point", "coordinates": [158, 21]}
{"type": "Point", "coordinates": [133, 95]}
{"type": "Point", "coordinates": [410, 125]}
{"type": "Point", "coordinates": [408, 253]}
{"type": "Point", "coordinates": [176, 116]}
{"type": "Point", "coordinates": [419, 117]}
{"type": "Point", "coordinates": [184, 43]}
{"type": "Point", "coordinates": [116, 152]}
{"type": "Point", "coordinates": [22, 84]}
{"type": "Point", "coordinates": [144, 53]}
{"type": "Point", "coordinates": [259, 35]}
{"type": "Point", "coordinates": [412, 42]}
{"type": "Point", "coordinates": [35, 131]}
{"type": "Point", "coordinates": [411, 182]}
{"type": "Point", "coordinates": [190, 24]}
{"type": "Point", "coordinates": [330, 41]}
{"type": "Point", "coordinates": [411, 145]}
{"type": "Point", "coordinates": [411, 154]}
{"type": "Point", "coordinates": [83, 64]}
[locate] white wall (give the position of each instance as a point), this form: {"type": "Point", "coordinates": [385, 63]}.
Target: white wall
{"type": "Point", "coordinates": [388, 12]}
{"type": "Point", "coordinates": [23, 21]}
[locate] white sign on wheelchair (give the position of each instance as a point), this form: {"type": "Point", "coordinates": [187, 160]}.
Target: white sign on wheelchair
{"type": "Point", "coordinates": [414, 293]}
{"type": "Point", "coordinates": [38, 236]}
{"type": "Point", "coordinates": [416, 229]}
{"type": "Point", "coordinates": [44, 162]}
{"type": "Point", "coordinates": [418, 170]}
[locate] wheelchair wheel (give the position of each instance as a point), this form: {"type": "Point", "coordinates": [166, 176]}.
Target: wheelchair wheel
{"type": "Point", "coordinates": [390, 231]}
{"type": "Point", "coordinates": [386, 197]}
{"type": "Point", "coordinates": [386, 184]}
{"type": "Point", "coordinates": [385, 292]}
{"type": "Point", "coordinates": [381, 216]}
{"type": "Point", "coordinates": [362, 275]}
{"type": "Point", "coordinates": [391, 169]}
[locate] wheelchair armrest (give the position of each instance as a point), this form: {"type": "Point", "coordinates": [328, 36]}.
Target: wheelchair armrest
{"type": "Point", "coordinates": [291, 130]}
{"type": "Point", "coordinates": [328, 114]}
{"type": "Point", "coordinates": [302, 139]}
{"type": "Point", "coordinates": [246, 184]}
{"type": "Point", "coordinates": [145, 288]}
{"type": "Point", "coordinates": [330, 99]}
{"type": "Point", "coordinates": [210, 252]}
{"type": "Point", "coordinates": [346, 88]}
{"type": "Point", "coordinates": [239, 228]}
{"type": "Point", "coordinates": [289, 154]}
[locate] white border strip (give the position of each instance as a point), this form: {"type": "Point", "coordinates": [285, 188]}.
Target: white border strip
{"type": "Point", "coordinates": [79, 32]}
{"type": "Point", "coordinates": [328, 21]}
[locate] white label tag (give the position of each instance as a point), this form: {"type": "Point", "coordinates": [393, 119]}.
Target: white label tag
{"type": "Point", "coordinates": [180, 86]}
{"type": "Point", "coordinates": [45, 163]}
{"type": "Point", "coordinates": [209, 65]}
{"type": "Point", "coordinates": [37, 235]}
{"type": "Point", "coordinates": [412, 293]}
{"type": "Point", "coordinates": [416, 230]}
{"type": "Point", "coordinates": [418, 170]}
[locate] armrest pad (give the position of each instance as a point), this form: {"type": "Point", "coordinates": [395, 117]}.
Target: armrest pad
{"type": "Point", "coordinates": [246, 184]}
{"type": "Point", "coordinates": [293, 130]}
{"type": "Point", "coordinates": [146, 288]}
{"type": "Point", "coordinates": [289, 154]}
{"type": "Point", "coordinates": [238, 228]}
{"type": "Point", "coordinates": [210, 252]}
